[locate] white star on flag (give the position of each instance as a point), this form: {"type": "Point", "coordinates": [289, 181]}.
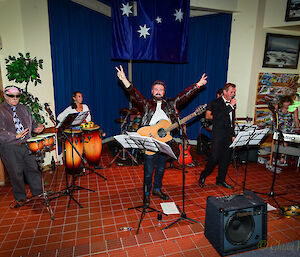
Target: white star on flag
{"type": "Point", "coordinates": [158, 19]}
{"type": "Point", "coordinates": [144, 31]}
{"type": "Point", "coordinates": [179, 15]}
{"type": "Point", "coordinates": [126, 9]}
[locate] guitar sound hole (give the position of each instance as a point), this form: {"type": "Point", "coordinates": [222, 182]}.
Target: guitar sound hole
{"type": "Point", "coordinates": [161, 132]}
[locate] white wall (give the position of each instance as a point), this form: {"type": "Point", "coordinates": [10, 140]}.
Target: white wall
{"type": "Point", "coordinates": [24, 28]}
{"type": "Point", "coordinates": [247, 48]}
{"type": "Point", "coordinates": [274, 15]}
{"type": "Point", "coordinates": [215, 5]}
{"type": "Point", "coordinates": [241, 51]}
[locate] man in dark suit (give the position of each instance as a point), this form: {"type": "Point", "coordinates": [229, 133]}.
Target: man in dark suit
{"type": "Point", "coordinates": [222, 113]}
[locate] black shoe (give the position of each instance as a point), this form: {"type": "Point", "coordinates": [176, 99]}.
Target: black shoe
{"type": "Point", "coordinates": [160, 194]}
{"type": "Point", "coordinates": [201, 182]}
{"type": "Point", "coordinates": [147, 200]}
{"type": "Point", "coordinates": [223, 184]}
{"type": "Point", "coordinates": [19, 203]}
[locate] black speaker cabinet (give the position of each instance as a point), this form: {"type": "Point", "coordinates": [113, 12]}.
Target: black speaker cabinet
{"type": "Point", "coordinates": [236, 223]}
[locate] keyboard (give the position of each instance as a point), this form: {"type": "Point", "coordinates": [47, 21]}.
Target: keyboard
{"type": "Point", "coordinates": [288, 137]}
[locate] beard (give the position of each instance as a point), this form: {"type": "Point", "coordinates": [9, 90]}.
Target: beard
{"type": "Point", "coordinates": [158, 97]}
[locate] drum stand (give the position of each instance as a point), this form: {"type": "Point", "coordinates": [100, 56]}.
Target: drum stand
{"type": "Point", "coordinates": [123, 151]}
{"type": "Point", "coordinates": [93, 171]}
{"type": "Point", "coordinates": [69, 190]}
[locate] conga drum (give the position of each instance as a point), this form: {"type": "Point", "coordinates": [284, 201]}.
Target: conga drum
{"type": "Point", "coordinates": [35, 144]}
{"type": "Point", "coordinates": [72, 159]}
{"type": "Point", "coordinates": [92, 145]}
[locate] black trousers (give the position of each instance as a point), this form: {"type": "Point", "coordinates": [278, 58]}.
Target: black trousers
{"type": "Point", "coordinates": [220, 154]}
{"type": "Point", "coordinates": [21, 165]}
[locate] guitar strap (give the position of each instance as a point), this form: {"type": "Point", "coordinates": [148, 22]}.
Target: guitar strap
{"type": "Point", "coordinates": [172, 110]}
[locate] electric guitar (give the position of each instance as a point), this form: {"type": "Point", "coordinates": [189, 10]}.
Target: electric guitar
{"type": "Point", "coordinates": [161, 130]}
{"type": "Point", "coordinates": [187, 155]}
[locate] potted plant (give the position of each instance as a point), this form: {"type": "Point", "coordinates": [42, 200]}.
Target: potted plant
{"type": "Point", "coordinates": [25, 69]}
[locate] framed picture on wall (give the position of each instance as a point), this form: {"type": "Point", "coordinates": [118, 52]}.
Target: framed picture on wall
{"type": "Point", "coordinates": [292, 10]}
{"type": "Point", "coordinates": [281, 51]}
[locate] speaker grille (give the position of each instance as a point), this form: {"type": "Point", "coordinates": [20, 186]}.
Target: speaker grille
{"type": "Point", "coordinates": [239, 227]}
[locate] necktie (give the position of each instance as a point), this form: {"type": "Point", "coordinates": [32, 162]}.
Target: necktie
{"type": "Point", "coordinates": [18, 125]}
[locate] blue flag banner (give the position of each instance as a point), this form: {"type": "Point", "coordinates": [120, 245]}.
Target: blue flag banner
{"type": "Point", "coordinates": [155, 30]}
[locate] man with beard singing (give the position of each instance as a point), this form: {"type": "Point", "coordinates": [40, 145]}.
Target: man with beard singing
{"type": "Point", "coordinates": [155, 109]}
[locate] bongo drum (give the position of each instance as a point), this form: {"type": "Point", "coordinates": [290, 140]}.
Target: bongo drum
{"type": "Point", "coordinates": [72, 159]}
{"type": "Point", "coordinates": [92, 144]}
{"type": "Point", "coordinates": [48, 141]}
{"type": "Point", "coordinates": [35, 144]}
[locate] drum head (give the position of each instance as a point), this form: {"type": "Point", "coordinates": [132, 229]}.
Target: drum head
{"type": "Point", "coordinates": [72, 131]}
{"type": "Point", "coordinates": [34, 139]}
{"type": "Point", "coordinates": [95, 127]}
{"type": "Point", "coordinates": [46, 135]}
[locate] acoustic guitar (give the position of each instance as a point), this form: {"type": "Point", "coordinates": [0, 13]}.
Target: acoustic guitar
{"type": "Point", "coordinates": [161, 130]}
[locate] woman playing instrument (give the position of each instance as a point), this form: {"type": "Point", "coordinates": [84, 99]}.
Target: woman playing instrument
{"type": "Point", "coordinates": [288, 122]}
{"type": "Point", "coordinates": [76, 106]}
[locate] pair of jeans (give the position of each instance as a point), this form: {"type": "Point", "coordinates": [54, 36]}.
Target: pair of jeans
{"type": "Point", "coordinates": [157, 163]}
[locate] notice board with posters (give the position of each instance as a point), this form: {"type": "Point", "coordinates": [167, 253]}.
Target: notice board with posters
{"type": "Point", "coordinates": [270, 87]}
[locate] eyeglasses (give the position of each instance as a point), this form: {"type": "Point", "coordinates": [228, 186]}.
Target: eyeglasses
{"type": "Point", "coordinates": [12, 96]}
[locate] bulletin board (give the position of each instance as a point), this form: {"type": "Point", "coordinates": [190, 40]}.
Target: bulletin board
{"type": "Point", "coordinates": [270, 87]}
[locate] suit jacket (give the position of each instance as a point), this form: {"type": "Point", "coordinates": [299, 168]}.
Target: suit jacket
{"type": "Point", "coordinates": [7, 126]}
{"type": "Point", "coordinates": [221, 118]}
{"type": "Point", "coordinates": [169, 105]}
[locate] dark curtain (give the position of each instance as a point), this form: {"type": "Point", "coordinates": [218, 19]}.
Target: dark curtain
{"type": "Point", "coordinates": [81, 60]}
{"type": "Point", "coordinates": [209, 40]}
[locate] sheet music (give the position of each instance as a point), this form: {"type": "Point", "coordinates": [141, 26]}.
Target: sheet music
{"type": "Point", "coordinates": [135, 140]}
{"type": "Point", "coordinates": [250, 137]}
{"type": "Point", "coordinates": [244, 127]}
{"type": "Point", "coordinates": [73, 119]}
{"type": "Point", "coordinates": [127, 142]}
{"type": "Point", "coordinates": [80, 118]}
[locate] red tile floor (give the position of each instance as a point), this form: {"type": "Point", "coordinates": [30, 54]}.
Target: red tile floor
{"type": "Point", "coordinates": [95, 229]}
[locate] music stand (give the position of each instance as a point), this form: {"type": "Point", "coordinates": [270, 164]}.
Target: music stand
{"type": "Point", "coordinates": [136, 141]}
{"type": "Point", "coordinates": [69, 121]}
{"type": "Point", "coordinates": [250, 137]}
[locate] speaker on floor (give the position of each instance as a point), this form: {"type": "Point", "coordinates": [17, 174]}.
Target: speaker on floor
{"type": "Point", "coordinates": [236, 223]}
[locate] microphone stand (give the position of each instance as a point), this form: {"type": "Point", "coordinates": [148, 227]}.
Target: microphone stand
{"type": "Point", "coordinates": [183, 215]}
{"type": "Point", "coordinates": [271, 193]}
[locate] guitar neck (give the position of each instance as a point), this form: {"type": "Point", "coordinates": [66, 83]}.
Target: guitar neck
{"type": "Point", "coordinates": [182, 121]}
